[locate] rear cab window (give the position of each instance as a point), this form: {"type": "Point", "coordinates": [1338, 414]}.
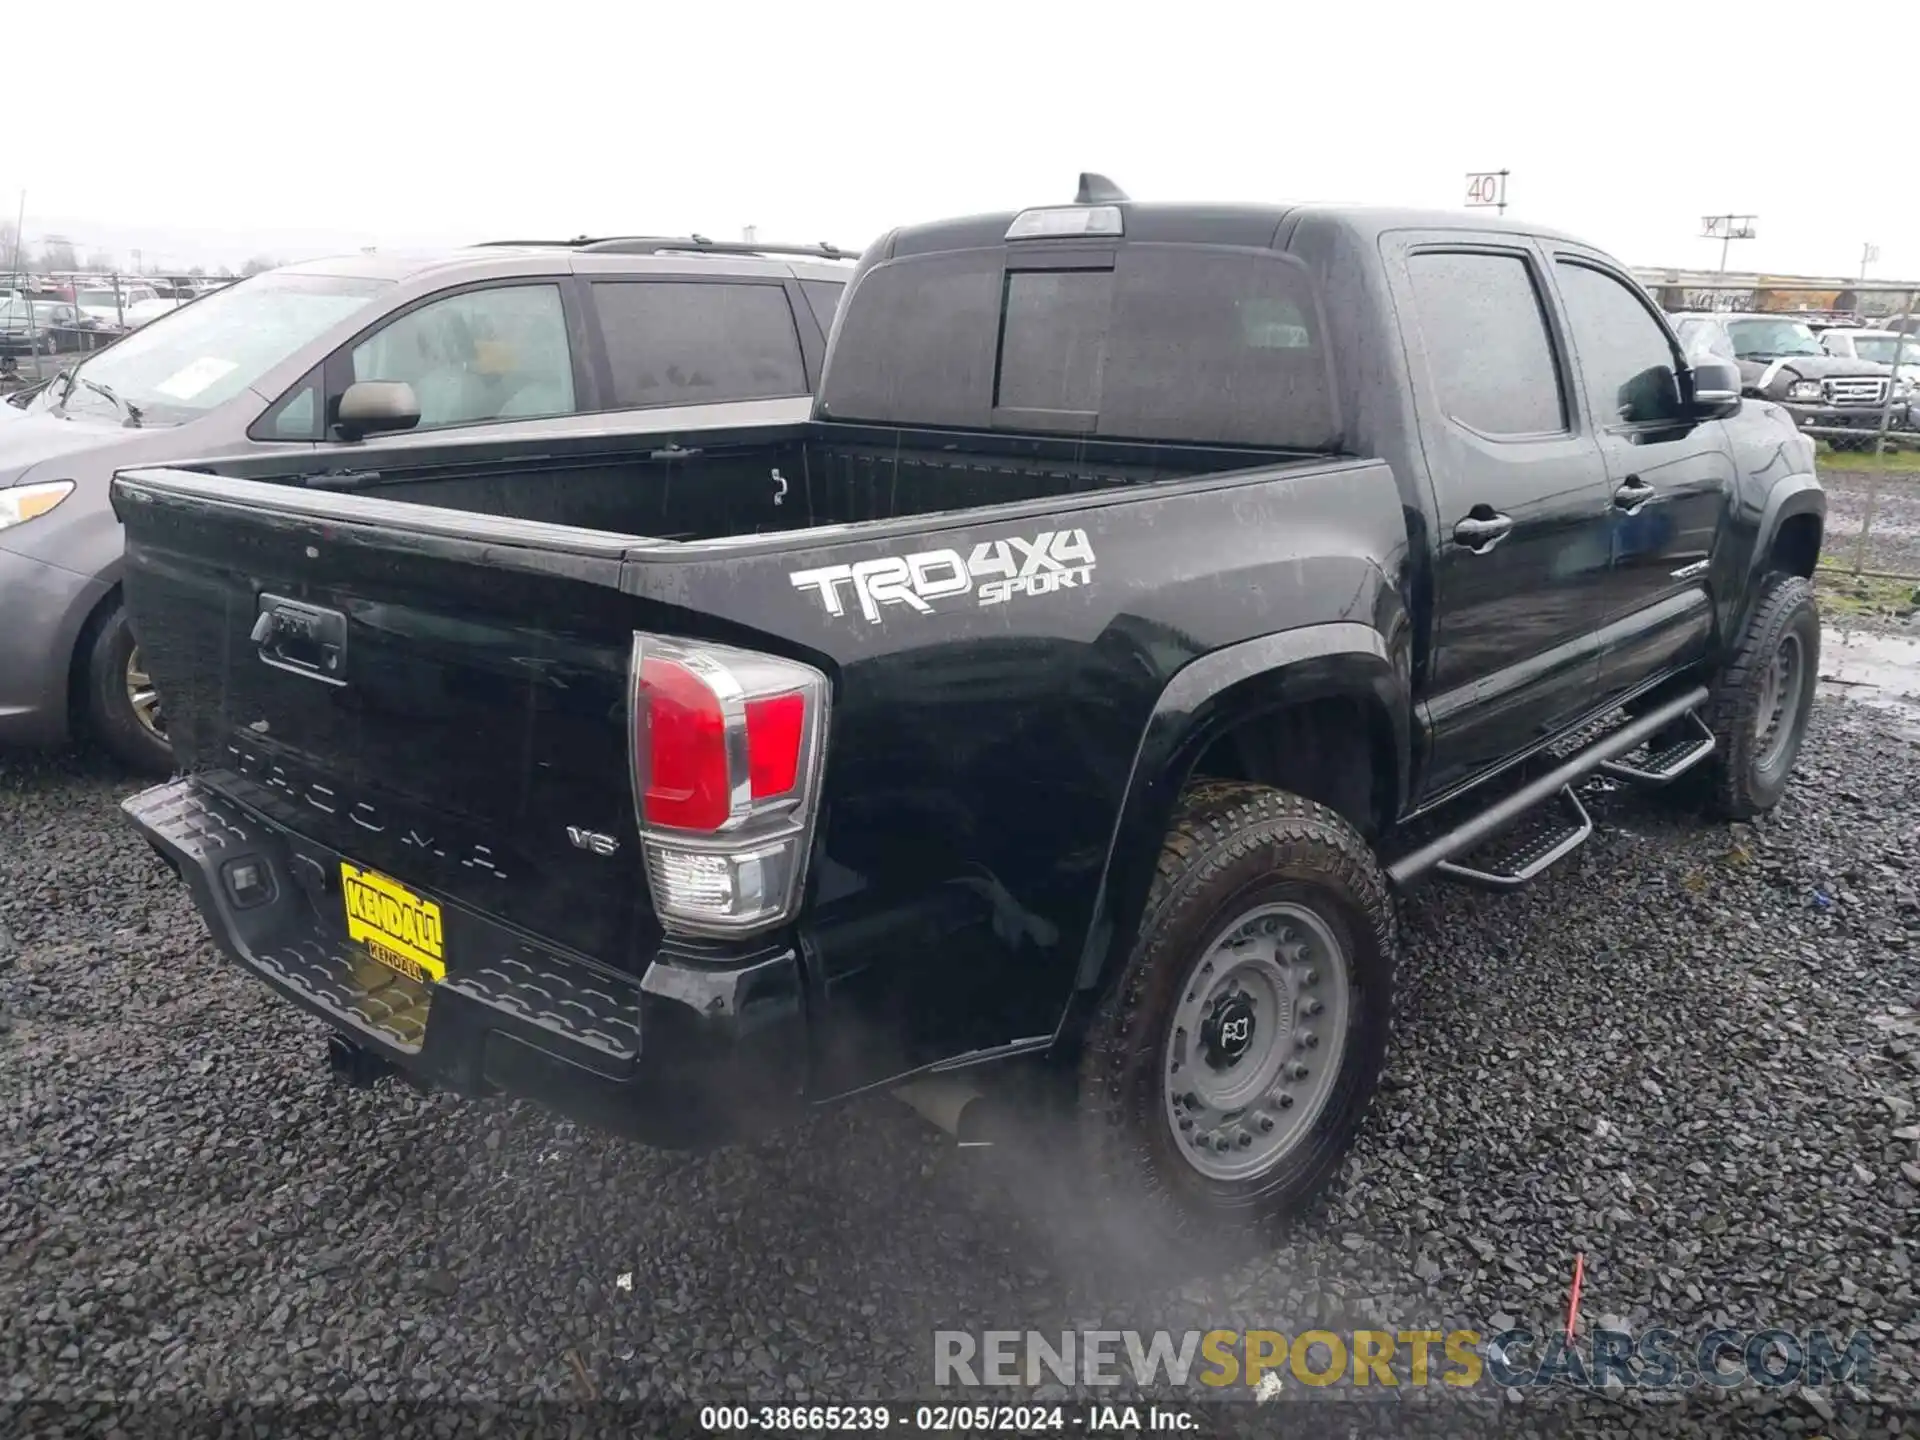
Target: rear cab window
{"type": "Point", "coordinates": [1152, 341]}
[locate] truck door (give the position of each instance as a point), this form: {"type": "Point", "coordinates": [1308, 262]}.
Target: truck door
{"type": "Point", "coordinates": [1670, 476]}
{"type": "Point", "coordinates": [1521, 556]}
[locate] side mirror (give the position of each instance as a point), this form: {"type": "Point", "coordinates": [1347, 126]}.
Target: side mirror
{"type": "Point", "coordinates": [373, 407]}
{"type": "Point", "coordinates": [1713, 387]}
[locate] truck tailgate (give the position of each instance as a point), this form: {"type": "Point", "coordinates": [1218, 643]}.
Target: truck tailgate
{"type": "Point", "coordinates": [447, 710]}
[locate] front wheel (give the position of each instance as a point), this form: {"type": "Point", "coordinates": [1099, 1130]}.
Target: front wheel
{"type": "Point", "coordinates": [1759, 706]}
{"type": "Point", "coordinates": [1228, 1071]}
{"type": "Point", "coordinates": [123, 706]}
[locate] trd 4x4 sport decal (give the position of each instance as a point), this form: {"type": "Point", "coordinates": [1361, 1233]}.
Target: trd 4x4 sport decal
{"type": "Point", "coordinates": [996, 571]}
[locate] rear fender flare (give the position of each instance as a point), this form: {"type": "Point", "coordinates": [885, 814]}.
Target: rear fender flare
{"type": "Point", "coordinates": [1341, 659]}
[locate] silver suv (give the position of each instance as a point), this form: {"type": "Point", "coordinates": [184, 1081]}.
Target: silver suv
{"type": "Point", "coordinates": [510, 340]}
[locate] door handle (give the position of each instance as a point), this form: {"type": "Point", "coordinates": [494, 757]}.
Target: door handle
{"type": "Point", "coordinates": [1481, 534]}
{"type": "Point", "coordinates": [1632, 494]}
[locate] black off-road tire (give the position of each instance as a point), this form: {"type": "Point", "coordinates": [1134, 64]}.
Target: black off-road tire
{"type": "Point", "coordinates": [110, 713]}
{"type": "Point", "coordinates": [1744, 778]}
{"type": "Point", "coordinates": [1233, 847]}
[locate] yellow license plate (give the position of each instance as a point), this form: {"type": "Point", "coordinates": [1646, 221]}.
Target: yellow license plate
{"type": "Point", "coordinates": [399, 929]}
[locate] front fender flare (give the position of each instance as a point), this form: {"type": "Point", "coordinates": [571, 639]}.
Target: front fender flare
{"type": "Point", "coordinates": [1795, 495]}
{"type": "Point", "coordinates": [1339, 659]}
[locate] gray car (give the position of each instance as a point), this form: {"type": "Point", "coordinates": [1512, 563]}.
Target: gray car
{"type": "Point", "coordinates": [509, 341]}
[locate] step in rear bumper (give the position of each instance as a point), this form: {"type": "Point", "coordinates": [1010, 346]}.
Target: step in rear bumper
{"type": "Point", "coordinates": [692, 1051]}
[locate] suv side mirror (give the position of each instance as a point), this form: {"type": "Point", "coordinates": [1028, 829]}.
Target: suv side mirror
{"type": "Point", "coordinates": [1713, 387]}
{"type": "Point", "coordinates": [372, 407]}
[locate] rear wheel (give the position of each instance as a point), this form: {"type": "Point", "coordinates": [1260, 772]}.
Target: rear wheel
{"type": "Point", "coordinates": [123, 707]}
{"type": "Point", "coordinates": [1759, 706]}
{"type": "Point", "coordinates": [1228, 1071]}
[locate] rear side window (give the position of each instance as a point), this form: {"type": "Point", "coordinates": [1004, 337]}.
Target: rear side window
{"type": "Point", "coordinates": [823, 298]}
{"type": "Point", "coordinates": [1486, 341]}
{"type": "Point", "coordinates": [1171, 342]}
{"type": "Point", "coordinates": [694, 343]}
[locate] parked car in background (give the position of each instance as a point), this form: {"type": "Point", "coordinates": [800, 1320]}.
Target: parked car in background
{"type": "Point", "coordinates": [1883, 346]}
{"type": "Point", "coordinates": [108, 307]}
{"type": "Point", "coordinates": [1880, 346]}
{"type": "Point", "coordinates": [32, 327]}
{"type": "Point", "coordinates": [142, 311]}
{"type": "Point", "coordinates": [1781, 359]}
{"type": "Point", "coordinates": [522, 341]}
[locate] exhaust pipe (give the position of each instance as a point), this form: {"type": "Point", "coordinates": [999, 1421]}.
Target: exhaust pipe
{"type": "Point", "coordinates": [957, 1106]}
{"type": "Point", "coordinates": [354, 1064]}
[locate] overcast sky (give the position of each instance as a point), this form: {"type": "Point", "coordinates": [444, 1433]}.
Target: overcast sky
{"type": "Point", "coordinates": [236, 128]}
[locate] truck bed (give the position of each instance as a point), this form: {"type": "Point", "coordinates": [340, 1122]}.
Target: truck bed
{"type": "Point", "coordinates": [725, 485]}
{"type": "Point", "coordinates": [473, 739]}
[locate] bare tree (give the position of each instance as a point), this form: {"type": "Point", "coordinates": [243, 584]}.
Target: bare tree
{"type": "Point", "coordinates": [101, 261]}
{"type": "Point", "coordinates": [259, 263]}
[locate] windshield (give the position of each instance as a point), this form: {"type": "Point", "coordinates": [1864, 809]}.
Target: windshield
{"type": "Point", "coordinates": [102, 298]}
{"type": "Point", "coordinates": [186, 362]}
{"type": "Point", "coordinates": [1881, 347]}
{"type": "Point", "coordinates": [1771, 339]}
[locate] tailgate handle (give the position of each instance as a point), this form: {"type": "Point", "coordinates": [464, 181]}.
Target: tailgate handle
{"type": "Point", "coordinates": [301, 639]}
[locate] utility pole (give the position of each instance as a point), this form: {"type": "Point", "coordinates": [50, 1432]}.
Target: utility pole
{"type": "Point", "coordinates": [19, 239]}
{"type": "Point", "coordinates": [1726, 229]}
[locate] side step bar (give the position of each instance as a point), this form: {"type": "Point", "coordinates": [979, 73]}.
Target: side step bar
{"type": "Point", "coordinates": [1471, 832]}
{"type": "Point", "coordinates": [1539, 854]}
{"type": "Point", "coordinates": [1671, 761]}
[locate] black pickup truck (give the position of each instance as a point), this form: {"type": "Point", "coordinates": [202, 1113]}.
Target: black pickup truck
{"type": "Point", "coordinates": [1156, 589]}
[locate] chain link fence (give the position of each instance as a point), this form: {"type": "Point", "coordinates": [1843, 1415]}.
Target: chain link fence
{"type": "Point", "coordinates": [1870, 466]}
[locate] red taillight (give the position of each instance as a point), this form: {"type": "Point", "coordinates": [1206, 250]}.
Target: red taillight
{"type": "Point", "coordinates": [727, 751]}
{"type": "Point", "coordinates": [776, 728]}
{"type": "Point", "coordinates": [684, 733]}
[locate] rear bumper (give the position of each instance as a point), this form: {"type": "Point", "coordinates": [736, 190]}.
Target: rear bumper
{"type": "Point", "coordinates": [39, 609]}
{"type": "Point", "coordinates": [695, 1051]}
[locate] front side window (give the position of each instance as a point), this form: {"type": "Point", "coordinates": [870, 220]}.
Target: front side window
{"type": "Point", "coordinates": [691, 342]}
{"type": "Point", "coordinates": [495, 354]}
{"type": "Point", "coordinates": [295, 417]}
{"type": "Point", "coordinates": [1626, 361]}
{"type": "Point", "coordinates": [1487, 343]}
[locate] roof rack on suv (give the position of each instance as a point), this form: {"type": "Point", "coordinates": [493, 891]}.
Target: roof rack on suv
{"type": "Point", "coordinates": [685, 244]}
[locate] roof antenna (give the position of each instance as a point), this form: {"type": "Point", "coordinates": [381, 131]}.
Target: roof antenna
{"type": "Point", "coordinates": [1098, 190]}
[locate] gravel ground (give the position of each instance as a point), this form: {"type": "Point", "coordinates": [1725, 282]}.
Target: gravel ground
{"type": "Point", "coordinates": [1687, 1055]}
{"type": "Point", "coordinates": [1894, 544]}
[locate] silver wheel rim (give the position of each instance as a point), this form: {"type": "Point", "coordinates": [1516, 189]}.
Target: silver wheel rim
{"type": "Point", "coordinates": [144, 699]}
{"type": "Point", "coordinates": [1256, 1039]}
{"type": "Point", "coordinates": [1780, 688]}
